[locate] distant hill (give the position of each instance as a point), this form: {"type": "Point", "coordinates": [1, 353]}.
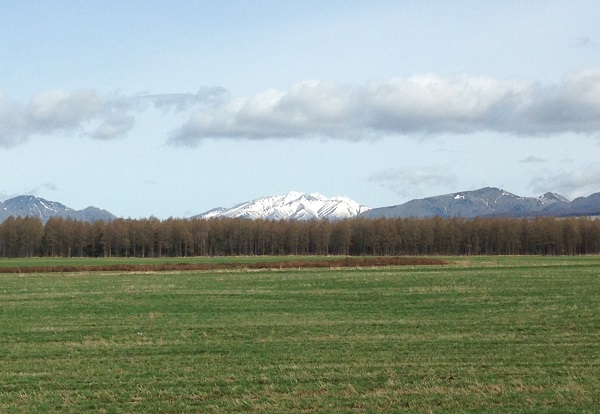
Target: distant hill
{"type": "Point", "coordinates": [490, 202]}
{"type": "Point", "coordinates": [32, 206]}
{"type": "Point", "coordinates": [485, 202]}
{"type": "Point", "coordinates": [293, 206]}
{"type": "Point", "coordinates": [582, 206]}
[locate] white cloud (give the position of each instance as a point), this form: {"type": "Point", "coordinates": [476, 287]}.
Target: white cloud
{"type": "Point", "coordinates": [13, 123]}
{"type": "Point", "coordinates": [432, 104]}
{"type": "Point", "coordinates": [422, 104]}
{"type": "Point", "coordinates": [401, 181]}
{"type": "Point", "coordinates": [62, 110]}
{"type": "Point", "coordinates": [308, 109]}
{"type": "Point", "coordinates": [113, 125]}
{"type": "Point", "coordinates": [87, 113]}
{"type": "Point", "coordinates": [58, 111]}
{"type": "Point", "coordinates": [572, 184]}
{"type": "Point", "coordinates": [425, 104]}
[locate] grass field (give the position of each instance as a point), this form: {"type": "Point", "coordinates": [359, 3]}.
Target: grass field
{"type": "Point", "coordinates": [488, 334]}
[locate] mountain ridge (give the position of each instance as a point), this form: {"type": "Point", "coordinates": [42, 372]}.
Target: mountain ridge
{"type": "Point", "coordinates": [33, 206]}
{"type": "Point", "coordinates": [490, 202]}
{"type": "Point", "coordinates": [484, 202]}
{"type": "Point", "coordinates": [292, 206]}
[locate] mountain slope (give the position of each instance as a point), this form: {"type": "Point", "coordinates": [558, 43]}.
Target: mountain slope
{"type": "Point", "coordinates": [581, 206]}
{"type": "Point", "coordinates": [89, 214]}
{"type": "Point", "coordinates": [489, 201]}
{"type": "Point", "coordinates": [292, 206]}
{"type": "Point", "coordinates": [29, 205]}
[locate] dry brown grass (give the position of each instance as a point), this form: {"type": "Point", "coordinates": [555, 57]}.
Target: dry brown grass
{"type": "Point", "coordinates": [335, 262]}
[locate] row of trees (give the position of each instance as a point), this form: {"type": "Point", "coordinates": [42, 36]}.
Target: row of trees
{"type": "Point", "coordinates": [27, 236]}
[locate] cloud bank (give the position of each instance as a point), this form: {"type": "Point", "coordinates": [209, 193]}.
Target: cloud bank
{"type": "Point", "coordinates": [422, 104]}
{"type": "Point", "coordinates": [426, 104]}
{"type": "Point", "coordinates": [88, 113]}
{"type": "Point", "coordinates": [59, 111]}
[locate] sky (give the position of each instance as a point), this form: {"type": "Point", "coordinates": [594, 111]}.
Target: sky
{"type": "Point", "coordinates": [172, 108]}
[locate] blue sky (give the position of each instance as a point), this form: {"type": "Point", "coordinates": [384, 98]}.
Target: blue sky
{"type": "Point", "coordinates": [173, 108]}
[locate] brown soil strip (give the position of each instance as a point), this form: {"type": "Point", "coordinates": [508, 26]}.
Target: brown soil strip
{"type": "Point", "coordinates": [284, 264]}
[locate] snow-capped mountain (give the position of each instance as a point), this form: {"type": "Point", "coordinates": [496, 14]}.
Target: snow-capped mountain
{"type": "Point", "coordinates": [29, 205]}
{"type": "Point", "coordinates": [487, 201]}
{"type": "Point", "coordinates": [551, 198]}
{"type": "Point", "coordinates": [292, 206]}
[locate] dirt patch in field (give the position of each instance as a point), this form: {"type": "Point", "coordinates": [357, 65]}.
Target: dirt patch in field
{"type": "Point", "coordinates": [283, 264]}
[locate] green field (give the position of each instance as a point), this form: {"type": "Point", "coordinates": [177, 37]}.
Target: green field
{"type": "Point", "coordinates": [487, 334]}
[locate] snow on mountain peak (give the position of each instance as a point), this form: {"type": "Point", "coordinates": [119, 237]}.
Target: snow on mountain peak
{"type": "Point", "coordinates": [292, 206]}
{"type": "Point", "coordinates": [34, 206]}
{"type": "Point", "coordinates": [549, 198]}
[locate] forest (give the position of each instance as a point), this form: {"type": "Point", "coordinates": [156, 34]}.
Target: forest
{"type": "Point", "coordinates": [58, 237]}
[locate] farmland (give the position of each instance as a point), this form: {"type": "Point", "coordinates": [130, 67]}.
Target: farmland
{"type": "Point", "coordinates": [484, 334]}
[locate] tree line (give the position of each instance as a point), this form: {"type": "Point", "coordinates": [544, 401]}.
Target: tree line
{"type": "Point", "coordinates": [58, 237]}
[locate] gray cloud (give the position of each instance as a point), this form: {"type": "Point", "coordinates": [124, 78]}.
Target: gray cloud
{"type": "Point", "coordinates": [572, 184]}
{"type": "Point", "coordinates": [586, 42]}
{"type": "Point", "coordinates": [112, 126]}
{"type": "Point", "coordinates": [13, 123]}
{"type": "Point", "coordinates": [60, 111]}
{"type": "Point", "coordinates": [532, 159]}
{"type": "Point", "coordinates": [50, 186]}
{"type": "Point", "coordinates": [308, 109]}
{"type": "Point", "coordinates": [424, 104]}
{"type": "Point", "coordinates": [43, 188]}
{"type": "Point", "coordinates": [401, 180]}
{"type": "Point", "coordinates": [180, 102]}
{"type": "Point", "coordinates": [87, 113]}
